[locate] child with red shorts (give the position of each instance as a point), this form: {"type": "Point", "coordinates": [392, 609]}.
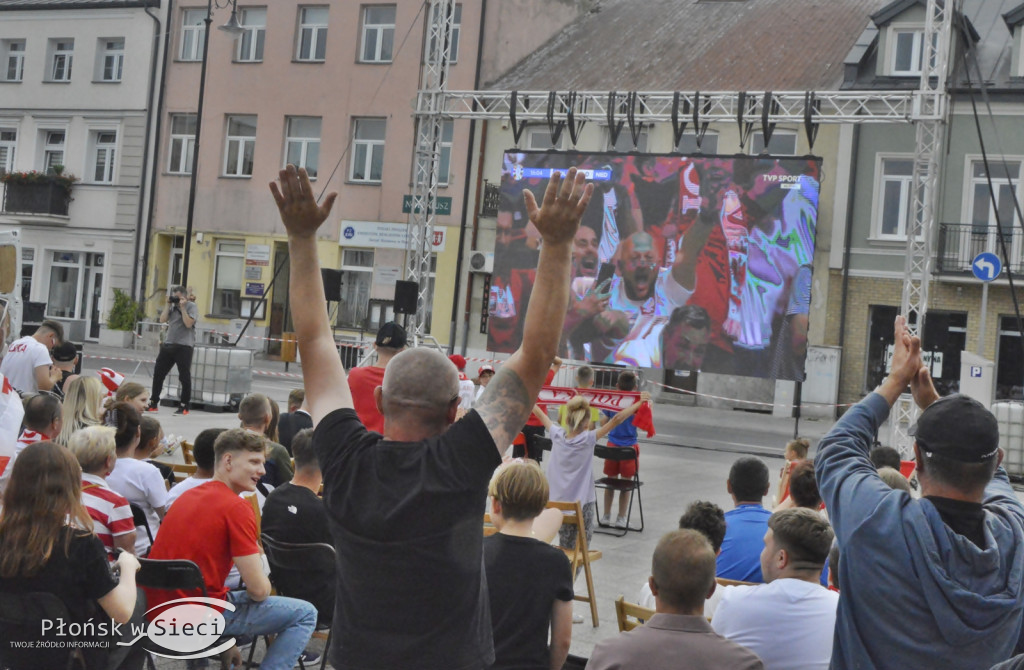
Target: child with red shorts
{"type": "Point", "coordinates": [624, 435]}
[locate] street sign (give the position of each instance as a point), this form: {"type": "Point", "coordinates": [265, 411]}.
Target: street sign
{"type": "Point", "coordinates": [975, 371]}
{"type": "Point", "coordinates": [986, 266]}
{"type": "Point", "coordinates": [444, 205]}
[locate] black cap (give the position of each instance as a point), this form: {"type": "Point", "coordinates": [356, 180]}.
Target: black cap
{"type": "Point", "coordinates": [391, 335]}
{"type": "Point", "coordinates": [64, 352]}
{"type": "Point", "coordinates": [959, 428]}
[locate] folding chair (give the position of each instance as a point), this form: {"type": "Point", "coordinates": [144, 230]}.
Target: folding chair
{"type": "Point", "coordinates": [20, 614]}
{"type": "Point", "coordinates": [289, 579]}
{"type": "Point", "coordinates": [169, 575]}
{"type": "Point", "coordinates": [630, 615]}
{"type": "Point", "coordinates": [186, 453]}
{"type": "Point", "coordinates": [580, 554]}
{"type": "Point", "coordinates": [141, 520]}
{"type": "Point", "coordinates": [183, 471]}
{"type": "Point", "coordinates": [623, 486]}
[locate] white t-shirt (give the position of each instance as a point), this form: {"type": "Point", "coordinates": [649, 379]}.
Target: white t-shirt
{"type": "Point", "coordinates": [20, 363]}
{"type": "Point", "coordinates": [141, 483]}
{"type": "Point", "coordinates": [467, 392]}
{"type": "Point", "coordinates": [570, 467]}
{"type": "Point", "coordinates": [182, 486]}
{"type": "Point", "coordinates": [646, 599]}
{"type": "Point", "coordinates": [789, 623]}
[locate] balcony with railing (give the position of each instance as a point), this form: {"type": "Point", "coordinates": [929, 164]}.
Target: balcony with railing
{"type": "Point", "coordinates": [31, 193]}
{"type": "Point", "coordinates": [959, 243]}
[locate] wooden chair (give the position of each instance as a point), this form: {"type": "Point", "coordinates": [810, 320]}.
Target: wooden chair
{"type": "Point", "coordinates": [581, 555]}
{"type": "Point", "coordinates": [186, 452]}
{"type": "Point", "coordinates": [630, 615]}
{"type": "Point", "coordinates": [722, 581]}
{"type": "Point", "coordinates": [489, 527]}
{"type": "Point", "coordinates": [183, 471]}
{"type": "Point", "coordinates": [254, 500]}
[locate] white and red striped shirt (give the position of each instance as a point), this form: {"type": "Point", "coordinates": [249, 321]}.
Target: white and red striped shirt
{"type": "Point", "coordinates": [110, 512]}
{"type": "Point", "coordinates": [26, 438]}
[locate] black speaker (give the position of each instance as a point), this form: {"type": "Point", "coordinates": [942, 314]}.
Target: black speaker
{"type": "Point", "coordinates": [332, 284]}
{"type": "Point", "coordinates": [406, 293]}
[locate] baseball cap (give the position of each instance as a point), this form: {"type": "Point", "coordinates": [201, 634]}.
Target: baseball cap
{"type": "Point", "coordinates": [959, 428]}
{"type": "Point", "coordinates": [485, 368]}
{"type": "Point", "coordinates": [391, 335]}
{"type": "Point", "coordinates": [458, 361]}
{"type": "Point", "coordinates": [64, 352]}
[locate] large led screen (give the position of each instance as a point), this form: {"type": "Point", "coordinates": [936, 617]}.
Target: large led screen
{"type": "Point", "coordinates": [685, 263]}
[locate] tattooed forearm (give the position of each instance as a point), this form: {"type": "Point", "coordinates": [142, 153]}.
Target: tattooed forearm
{"type": "Point", "coordinates": [504, 407]}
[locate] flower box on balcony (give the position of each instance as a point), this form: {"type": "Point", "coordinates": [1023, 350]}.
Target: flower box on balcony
{"type": "Point", "coordinates": [37, 192]}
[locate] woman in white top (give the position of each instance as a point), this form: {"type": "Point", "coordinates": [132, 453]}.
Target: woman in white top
{"type": "Point", "coordinates": [138, 481]}
{"type": "Point", "coordinates": [570, 471]}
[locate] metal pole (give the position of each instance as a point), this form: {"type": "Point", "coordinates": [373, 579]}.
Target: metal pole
{"type": "Point", "coordinates": [984, 314]}
{"type": "Point", "coordinates": [195, 148]}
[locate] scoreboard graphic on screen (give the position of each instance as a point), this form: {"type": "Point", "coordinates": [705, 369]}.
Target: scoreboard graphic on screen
{"type": "Point", "coordinates": [681, 262]}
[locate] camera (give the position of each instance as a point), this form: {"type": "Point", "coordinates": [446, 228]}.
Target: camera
{"type": "Point", "coordinates": [174, 300]}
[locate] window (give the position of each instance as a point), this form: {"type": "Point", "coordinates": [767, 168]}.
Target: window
{"type": "Point", "coordinates": [1010, 361]}
{"type": "Point", "coordinates": [62, 50]}
{"type": "Point", "coordinates": [540, 139]}
{"type": "Point", "coordinates": [368, 150]}
{"type": "Point", "coordinates": [356, 279]}
{"type": "Point", "coordinates": [62, 299]}
{"type": "Point", "coordinates": [227, 281]}
{"type": "Point", "coordinates": [241, 141]}
{"type": "Point", "coordinates": [378, 33]}
{"type": "Point", "coordinates": [112, 59]}
{"type": "Point", "coordinates": [624, 143]}
{"type": "Point", "coordinates": [312, 34]}
{"type": "Point", "coordinates": [456, 33]}
{"type": "Point", "coordinates": [183, 143]}
{"type": "Point", "coordinates": [444, 173]}
{"type": "Point", "coordinates": [15, 60]}
{"type": "Point", "coordinates": [302, 143]}
{"type": "Point", "coordinates": [193, 33]}
{"type": "Point", "coordinates": [688, 144]}
{"type": "Point", "coordinates": [984, 216]}
{"type": "Point", "coordinates": [892, 197]}
{"type": "Point", "coordinates": [105, 142]}
{"type": "Point", "coordinates": [250, 44]}
{"type": "Point", "coordinates": [782, 144]}
{"type": "Point", "coordinates": [8, 143]}
{"type": "Point", "coordinates": [907, 52]}
{"type": "Point", "coordinates": [28, 261]}
{"type": "Point", "coordinates": [53, 150]}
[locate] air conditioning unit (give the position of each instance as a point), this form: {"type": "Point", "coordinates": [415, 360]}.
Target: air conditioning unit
{"type": "Point", "coordinates": [481, 261]}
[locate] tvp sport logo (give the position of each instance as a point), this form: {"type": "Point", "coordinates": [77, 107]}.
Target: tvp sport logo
{"type": "Point", "coordinates": [185, 628]}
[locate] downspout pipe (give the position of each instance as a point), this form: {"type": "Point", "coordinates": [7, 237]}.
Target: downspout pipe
{"type": "Point", "coordinates": [847, 243]}
{"type": "Point", "coordinates": [142, 224]}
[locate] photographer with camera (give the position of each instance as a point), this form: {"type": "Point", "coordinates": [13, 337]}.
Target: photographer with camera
{"type": "Point", "coordinates": [180, 315]}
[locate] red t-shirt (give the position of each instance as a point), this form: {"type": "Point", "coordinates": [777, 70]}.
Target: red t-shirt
{"type": "Point", "coordinates": [207, 525]}
{"type": "Point", "coordinates": [362, 381]}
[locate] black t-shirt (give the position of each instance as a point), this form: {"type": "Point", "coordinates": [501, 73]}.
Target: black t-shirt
{"type": "Point", "coordinates": [295, 514]}
{"type": "Point", "coordinates": [407, 525]}
{"type": "Point", "coordinates": [79, 578]}
{"type": "Point", "coordinates": [524, 578]}
{"type": "Point", "coordinates": [965, 518]}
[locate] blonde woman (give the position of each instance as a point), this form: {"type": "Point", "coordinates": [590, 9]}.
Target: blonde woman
{"type": "Point", "coordinates": [111, 515]}
{"type": "Point", "coordinates": [83, 406]}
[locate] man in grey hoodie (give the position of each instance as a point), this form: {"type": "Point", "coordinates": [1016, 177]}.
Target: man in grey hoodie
{"type": "Point", "coordinates": [936, 582]}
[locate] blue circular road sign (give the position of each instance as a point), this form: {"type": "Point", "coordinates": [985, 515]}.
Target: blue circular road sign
{"type": "Point", "coordinates": [986, 266]}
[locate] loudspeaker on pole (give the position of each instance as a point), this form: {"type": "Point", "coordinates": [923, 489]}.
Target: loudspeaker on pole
{"type": "Point", "coordinates": [406, 293]}
{"type": "Point", "coordinates": [332, 284]}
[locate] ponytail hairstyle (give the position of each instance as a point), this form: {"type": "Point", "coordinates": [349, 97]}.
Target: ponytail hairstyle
{"type": "Point", "coordinates": [577, 414]}
{"type": "Point", "coordinates": [125, 420]}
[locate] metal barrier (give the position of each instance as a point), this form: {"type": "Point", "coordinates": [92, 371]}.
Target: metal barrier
{"type": "Point", "coordinates": [221, 377]}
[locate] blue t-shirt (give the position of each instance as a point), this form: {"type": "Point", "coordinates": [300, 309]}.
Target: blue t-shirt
{"type": "Point", "coordinates": [740, 557]}
{"type": "Point", "coordinates": [622, 435]}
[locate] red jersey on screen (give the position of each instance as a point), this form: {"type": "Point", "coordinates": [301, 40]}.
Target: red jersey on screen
{"type": "Point", "coordinates": [506, 307]}
{"type": "Point", "coordinates": [361, 382]}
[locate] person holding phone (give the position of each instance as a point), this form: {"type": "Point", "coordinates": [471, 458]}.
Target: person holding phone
{"type": "Point", "coordinates": [180, 314]}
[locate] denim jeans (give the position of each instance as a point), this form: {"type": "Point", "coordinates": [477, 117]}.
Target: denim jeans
{"type": "Point", "coordinates": [290, 619]}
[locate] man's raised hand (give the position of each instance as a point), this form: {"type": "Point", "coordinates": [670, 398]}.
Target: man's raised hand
{"type": "Point", "coordinates": [906, 355]}
{"type": "Point", "coordinates": [300, 212]}
{"type": "Point", "coordinates": [559, 215]}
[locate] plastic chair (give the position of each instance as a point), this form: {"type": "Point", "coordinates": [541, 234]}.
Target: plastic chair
{"type": "Point", "coordinates": [581, 554]}
{"type": "Point", "coordinates": [20, 614]}
{"type": "Point", "coordinates": [629, 487]}
{"type": "Point", "coordinates": [630, 615]}
{"type": "Point", "coordinates": [169, 575]}
{"type": "Point", "coordinates": [291, 581]}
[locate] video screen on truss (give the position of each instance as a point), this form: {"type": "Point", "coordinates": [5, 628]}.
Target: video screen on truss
{"type": "Point", "coordinates": [681, 262]}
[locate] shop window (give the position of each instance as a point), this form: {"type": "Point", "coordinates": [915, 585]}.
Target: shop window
{"type": "Point", "coordinates": [945, 336]}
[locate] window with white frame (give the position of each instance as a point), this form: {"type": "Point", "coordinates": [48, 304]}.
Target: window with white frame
{"type": "Point", "coordinates": [111, 59]}
{"type": "Point", "coordinates": [61, 53]}
{"type": "Point", "coordinates": [456, 34]}
{"type": "Point", "coordinates": [250, 43]}
{"type": "Point", "coordinates": [986, 216]}
{"type": "Point", "coordinates": [183, 143]}
{"type": "Point", "coordinates": [65, 274]}
{"type": "Point", "coordinates": [356, 280]}
{"type": "Point", "coordinates": [312, 38]}
{"type": "Point", "coordinates": [8, 143]}
{"type": "Point", "coordinates": [540, 139]}
{"type": "Point", "coordinates": [892, 197]}
{"type": "Point", "coordinates": [445, 168]}
{"type": "Point", "coordinates": [53, 149]}
{"type": "Point", "coordinates": [177, 259]}
{"type": "Point", "coordinates": [104, 143]}
{"type": "Point", "coordinates": [241, 146]}
{"type": "Point", "coordinates": [624, 142]}
{"type": "Point", "coordinates": [688, 144]}
{"type": "Point", "coordinates": [227, 277]}
{"type": "Point", "coordinates": [14, 60]}
{"type": "Point", "coordinates": [302, 143]}
{"type": "Point", "coordinates": [28, 261]}
{"type": "Point", "coordinates": [906, 52]}
{"type": "Point", "coordinates": [193, 32]}
{"type": "Point", "coordinates": [782, 143]}
{"type": "Point", "coordinates": [378, 33]}
{"type": "Point", "coordinates": [368, 150]}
